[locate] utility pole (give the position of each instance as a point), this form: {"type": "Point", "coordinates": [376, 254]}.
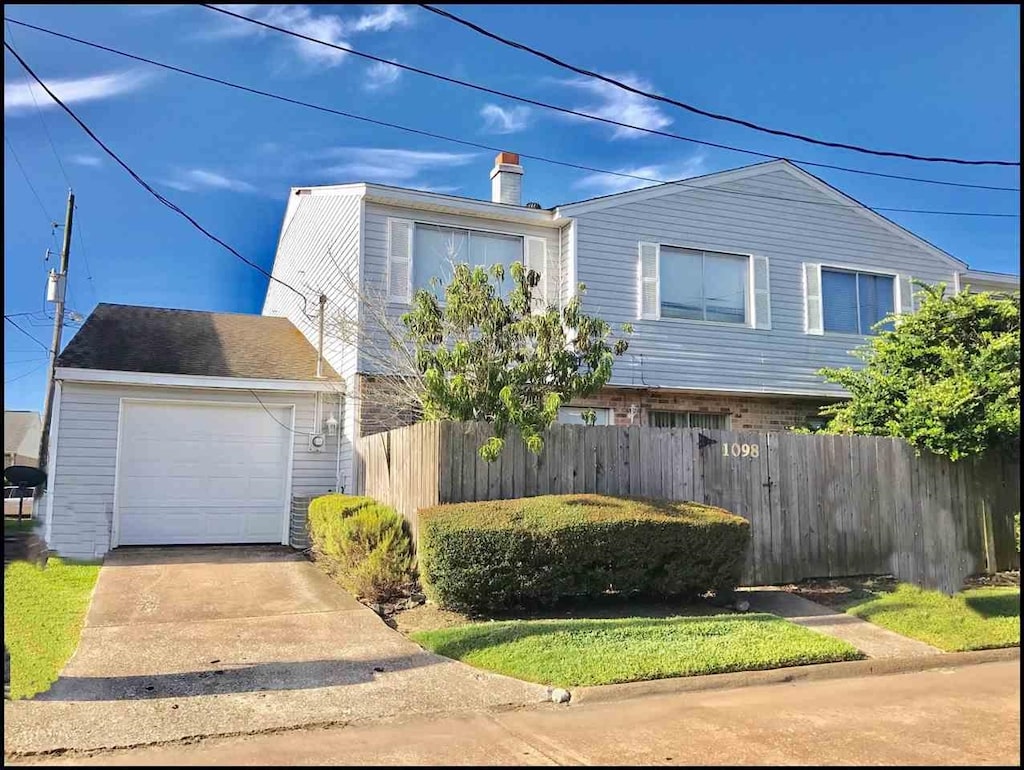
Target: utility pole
{"type": "Point", "coordinates": [61, 280]}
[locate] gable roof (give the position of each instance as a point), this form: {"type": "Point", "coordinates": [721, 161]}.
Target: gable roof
{"type": "Point", "coordinates": [732, 175]}
{"type": "Point", "coordinates": [131, 338]}
{"type": "Point", "coordinates": [22, 431]}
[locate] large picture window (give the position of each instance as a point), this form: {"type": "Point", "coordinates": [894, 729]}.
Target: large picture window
{"type": "Point", "coordinates": [853, 302]}
{"type": "Point", "coordinates": [436, 248]}
{"type": "Point", "coordinates": [688, 420]}
{"type": "Point", "coordinates": [704, 285]}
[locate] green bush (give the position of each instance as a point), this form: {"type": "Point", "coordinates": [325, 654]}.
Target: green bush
{"type": "Point", "coordinates": [325, 517]}
{"type": "Point", "coordinates": [502, 554]}
{"type": "Point", "coordinates": [363, 544]}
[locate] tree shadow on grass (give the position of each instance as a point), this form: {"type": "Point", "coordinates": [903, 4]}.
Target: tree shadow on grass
{"type": "Point", "coordinates": [995, 606]}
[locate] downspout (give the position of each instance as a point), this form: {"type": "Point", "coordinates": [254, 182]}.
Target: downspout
{"type": "Point", "coordinates": [337, 464]}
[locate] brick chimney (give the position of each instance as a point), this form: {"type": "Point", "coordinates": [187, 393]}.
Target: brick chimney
{"type": "Point", "coordinates": [507, 179]}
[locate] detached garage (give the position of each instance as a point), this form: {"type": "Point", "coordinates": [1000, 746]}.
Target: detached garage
{"type": "Point", "coordinates": [179, 427]}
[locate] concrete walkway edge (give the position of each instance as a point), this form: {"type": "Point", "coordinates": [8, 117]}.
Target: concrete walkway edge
{"type": "Point", "coordinates": [820, 671]}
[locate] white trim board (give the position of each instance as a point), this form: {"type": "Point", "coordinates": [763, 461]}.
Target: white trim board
{"type": "Point", "coordinates": [101, 376]}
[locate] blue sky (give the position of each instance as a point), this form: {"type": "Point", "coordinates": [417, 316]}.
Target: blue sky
{"type": "Point", "coordinates": [939, 80]}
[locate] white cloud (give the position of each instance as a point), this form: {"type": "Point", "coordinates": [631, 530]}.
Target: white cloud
{"type": "Point", "coordinates": [381, 19]}
{"type": "Point", "coordinates": [606, 184]}
{"type": "Point", "coordinates": [18, 96]}
{"type": "Point", "coordinates": [616, 104]}
{"type": "Point", "coordinates": [198, 179]}
{"type": "Point", "coordinates": [387, 166]}
{"type": "Point", "coordinates": [92, 161]}
{"type": "Point", "coordinates": [303, 19]}
{"type": "Point", "coordinates": [505, 120]}
{"type": "Point", "coordinates": [380, 75]}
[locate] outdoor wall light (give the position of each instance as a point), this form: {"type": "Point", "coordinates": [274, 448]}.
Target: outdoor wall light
{"type": "Point", "coordinates": [332, 425]}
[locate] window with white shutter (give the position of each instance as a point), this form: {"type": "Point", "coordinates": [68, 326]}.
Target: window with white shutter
{"type": "Point", "coordinates": [536, 260]}
{"type": "Point", "coordinates": [761, 294]}
{"type": "Point", "coordinates": [905, 302]}
{"type": "Point", "coordinates": [812, 299]}
{"type": "Point", "coordinates": [648, 300]}
{"type": "Point", "coordinates": [400, 260]}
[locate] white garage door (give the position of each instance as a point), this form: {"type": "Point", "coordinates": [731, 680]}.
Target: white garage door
{"type": "Point", "coordinates": [197, 473]}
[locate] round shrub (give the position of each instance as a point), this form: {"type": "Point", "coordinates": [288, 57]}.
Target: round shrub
{"type": "Point", "coordinates": [503, 554]}
{"type": "Point", "coordinates": [324, 519]}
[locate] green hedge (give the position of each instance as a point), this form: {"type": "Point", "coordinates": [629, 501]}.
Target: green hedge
{"type": "Point", "coordinates": [503, 554]}
{"type": "Point", "coordinates": [363, 544]}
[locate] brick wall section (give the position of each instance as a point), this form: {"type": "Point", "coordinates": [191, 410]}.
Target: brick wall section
{"type": "Point", "coordinates": [380, 408]}
{"type": "Point", "coordinates": [746, 412]}
{"type": "Point", "coordinates": [298, 535]}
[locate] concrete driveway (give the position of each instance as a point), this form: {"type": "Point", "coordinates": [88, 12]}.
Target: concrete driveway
{"type": "Point", "coordinates": [188, 642]}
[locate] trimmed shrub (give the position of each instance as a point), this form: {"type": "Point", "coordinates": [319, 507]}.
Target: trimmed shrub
{"type": "Point", "coordinates": [363, 544]}
{"type": "Point", "coordinates": [504, 554]}
{"type": "Point", "coordinates": [324, 520]}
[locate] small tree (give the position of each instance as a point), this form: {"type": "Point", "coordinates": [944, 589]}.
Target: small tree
{"type": "Point", "coordinates": [946, 378]}
{"type": "Point", "coordinates": [505, 360]}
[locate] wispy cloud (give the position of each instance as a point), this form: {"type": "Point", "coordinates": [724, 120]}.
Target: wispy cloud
{"type": "Point", "coordinates": [615, 104]}
{"type": "Point", "coordinates": [606, 184]}
{"type": "Point", "coordinates": [381, 19]}
{"type": "Point", "coordinates": [18, 97]}
{"type": "Point", "coordinates": [199, 179]}
{"type": "Point", "coordinates": [388, 166]}
{"type": "Point", "coordinates": [505, 120]}
{"type": "Point", "coordinates": [90, 161]}
{"type": "Point", "coordinates": [380, 75]}
{"type": "Point", "coordinates": [305, 20]}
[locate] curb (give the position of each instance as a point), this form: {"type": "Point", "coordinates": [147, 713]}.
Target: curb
{"type": "Point", "coordinates": [816, 672]}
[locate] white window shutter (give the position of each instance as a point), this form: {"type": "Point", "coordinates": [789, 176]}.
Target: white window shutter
{"type": "Point", "coordinates": [400, 260]}
{"type": "Point", "coordinates": [905, 295]}
{"type": "Point", "coordinates": [536, 260]}
{"type": "Point", "coordinates": [761, 294]}
{"type": "Point", "coordinates": [648, 294]}
{"type": "Point", "coordinates": [813, 321]}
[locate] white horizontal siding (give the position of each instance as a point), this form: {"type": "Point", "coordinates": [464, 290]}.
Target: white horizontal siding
{"type": "Point", "coordinates": [319, 251]}
{"type": "Point", "coordinates": [688, 354]}
{"type": "Point", "coordinates": [84, 461]}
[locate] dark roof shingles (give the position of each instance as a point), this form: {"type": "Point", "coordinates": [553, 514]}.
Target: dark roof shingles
{"type": "Point", "coordinates": [131, 338]}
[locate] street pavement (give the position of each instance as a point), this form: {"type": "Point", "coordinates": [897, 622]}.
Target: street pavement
{"type": "Point", "coordinates": [969, 715]}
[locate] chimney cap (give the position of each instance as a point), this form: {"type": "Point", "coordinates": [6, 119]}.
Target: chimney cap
{"type": "Point", "coordinates": [510, 158]}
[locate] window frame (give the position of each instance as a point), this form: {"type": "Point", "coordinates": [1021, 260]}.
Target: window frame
{"type": "Point", "coordinates": [469, 230]}
{"type": "Point", "coordinates": [689, 412]}
{"type": "Point", "coordinates": [748, 287]}
{"type": "Point", "coordinates": [843, 268]}
{"type": "Point", "coordinates": [605, 409]}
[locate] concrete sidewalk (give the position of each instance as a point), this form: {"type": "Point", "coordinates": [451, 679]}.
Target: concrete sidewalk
{"type": "Point", "coordinates": [185, 642]}
{"type": "Point", "coordinates": [874, 641]}
{"type": "Point", "coordinates": [955, 716]}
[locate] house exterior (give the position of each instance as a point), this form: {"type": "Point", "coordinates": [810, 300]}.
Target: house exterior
{"type": "Point", "coordinates": [22, 433]}
{"type": "Point", "coordinates": [185, 427]}
{"type": "Point", "coordinates": [740, 285]}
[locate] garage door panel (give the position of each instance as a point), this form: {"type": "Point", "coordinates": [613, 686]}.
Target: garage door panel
{"type": "Point", "coordinates": [193, 474]}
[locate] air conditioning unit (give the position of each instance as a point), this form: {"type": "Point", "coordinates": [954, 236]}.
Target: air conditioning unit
{"type": "Point", "coordinates": [316, 442]}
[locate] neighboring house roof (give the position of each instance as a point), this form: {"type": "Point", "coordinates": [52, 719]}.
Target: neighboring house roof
{"type": "Point", "coordinates": [130, 338]}
{"type": "Point", "coordinates": [22, 431]}
{"type": "Point", "coordinates": [983, 280]}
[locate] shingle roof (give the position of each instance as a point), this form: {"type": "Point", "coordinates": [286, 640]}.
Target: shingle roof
{"type": "Point", "coordinates": [21, 432]}
{"type": "Point", "coordinates": [130, 338]}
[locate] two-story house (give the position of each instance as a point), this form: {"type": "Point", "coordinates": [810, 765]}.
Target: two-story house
{"type": "Point", "coordinates": [740, 285]}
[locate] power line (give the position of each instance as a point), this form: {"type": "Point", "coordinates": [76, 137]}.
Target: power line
{"type": "Point", "coordinates": [145, 185]}
{"type": "Point", "coordinates": [479, 145]}
{"type": "Point", "coordinates": [18, 326]}
{"type": "Point", "coordinates": [26, 374]}
{"type": "Point", "coordinates": [286, 427]}
{"type": "Point", "coordinates": [85, 258]}
{"type": "Point", "coordinates": [706, 113]}
{"type": "Point", "coordinates": [567, 111]}
{"type": "Point", "coordinates": [28, 181]}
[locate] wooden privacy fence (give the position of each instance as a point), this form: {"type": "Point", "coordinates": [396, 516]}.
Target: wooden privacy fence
{"type": "Point", "coordinates": [818, 505]}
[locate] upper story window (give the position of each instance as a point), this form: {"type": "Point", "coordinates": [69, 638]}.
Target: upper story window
{"type": "Point", "coordinates": [704, 285]}
{"type": "Point", "coordinates": [853, 302]}
{"type": "Point", "coordinates": [436, 248]}
{"type": "Point", "coordinates": [419, 251]}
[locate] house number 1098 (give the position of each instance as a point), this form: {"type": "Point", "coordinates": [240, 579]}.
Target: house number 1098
{"type": "Point", "coordinates": [740, 450]}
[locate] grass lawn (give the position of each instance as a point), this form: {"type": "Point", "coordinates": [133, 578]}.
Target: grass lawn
{"type": "Point", "coordinates": [976, 619]}
{"type": "Point", "coordinates": [13, 525]}
{"type": "Point", "coordinates": [579, 652]}
{"type": "Point", "coordinates": [43, 614]}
